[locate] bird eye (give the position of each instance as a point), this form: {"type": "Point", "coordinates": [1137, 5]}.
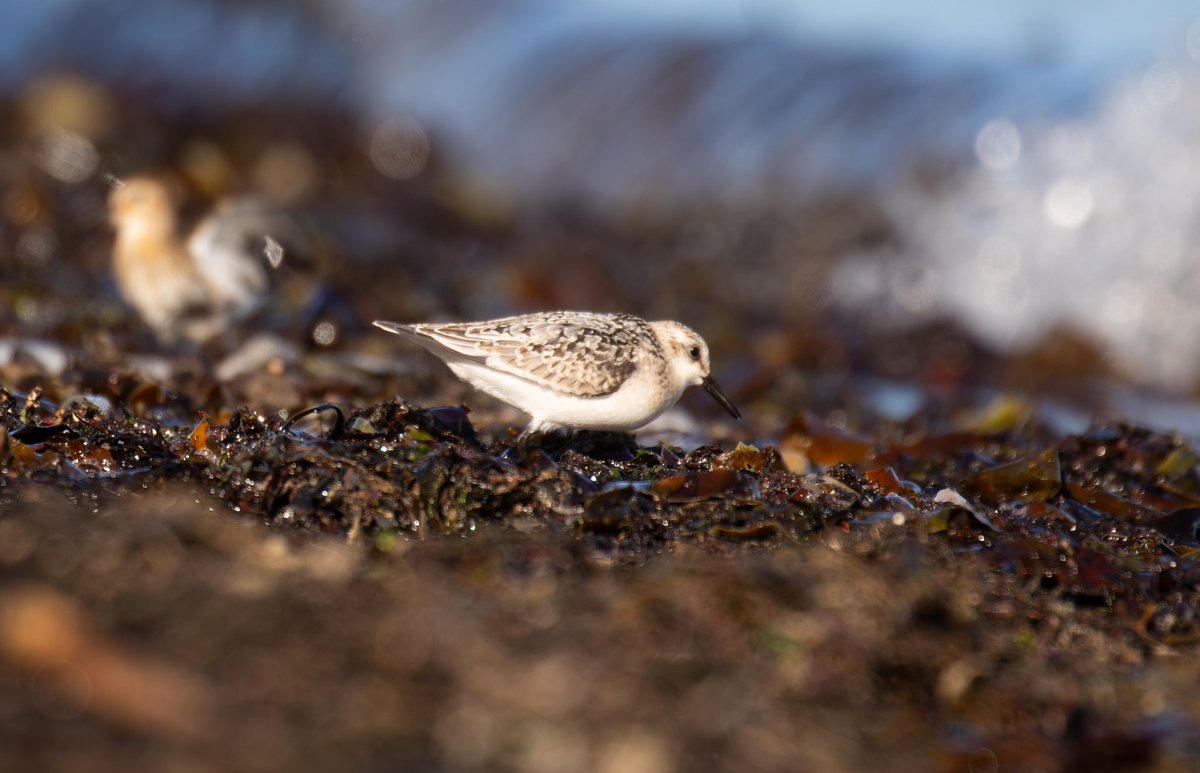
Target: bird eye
{"type": "Point", "coordinates": [694, 352]}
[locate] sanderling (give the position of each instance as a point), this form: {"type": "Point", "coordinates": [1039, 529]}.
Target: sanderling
{"type": "Point", "coordinates": [193, 287]}
{"type": "Point", "coordinates": [574, 370]}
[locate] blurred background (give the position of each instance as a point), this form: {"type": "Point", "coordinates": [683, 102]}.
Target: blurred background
{"type": "Point", "coordinates": [872, 210]}
{"type": "Point", "coordinates": [919, 193]}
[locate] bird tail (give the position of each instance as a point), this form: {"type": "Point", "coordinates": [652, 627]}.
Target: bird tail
{"type": "Point", "coordinates": [432, 343]}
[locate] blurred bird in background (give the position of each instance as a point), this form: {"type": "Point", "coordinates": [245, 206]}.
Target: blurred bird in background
{"type": "Point", "coordinates": [193, 286]}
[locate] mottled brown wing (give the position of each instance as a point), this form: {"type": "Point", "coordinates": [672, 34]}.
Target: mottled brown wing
{"type": "Point", "coordinates": [588, 355]}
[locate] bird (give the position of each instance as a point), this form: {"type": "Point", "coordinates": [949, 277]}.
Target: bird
{"type": "Point", "coordinates": [195, 286]}
{"type": "Point", "coordinates": [572, 369]}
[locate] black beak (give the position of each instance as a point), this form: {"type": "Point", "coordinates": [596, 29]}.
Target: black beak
{"type": "Point", "coordinates": [713, 388]}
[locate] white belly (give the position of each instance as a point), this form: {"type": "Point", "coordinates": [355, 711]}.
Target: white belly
{"type": "Point", "coordinates": [638, 401]}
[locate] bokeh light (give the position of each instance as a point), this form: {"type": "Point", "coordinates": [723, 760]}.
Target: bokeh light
{"type": "Point", "coordinates": [400, 149]}
{"type": "Point", "coordinates": [36, 248]}
{"type": "Point", "coordinates": [325, 333]}
{"type": "Point", "coordinates": [1068, 203]}
{"type": "Point", "coordinates": [999, 259]}
{"type": "Point", "coordinates": [1161, 84]}
{"type": "Point", "coordinates": [286, 172]}
{"type": "Point", "coordinates": [998, 144]}
{"type": "Point", "coordinates": [21, 205]}
{"type": "Point", "coordinates": [70, 157]}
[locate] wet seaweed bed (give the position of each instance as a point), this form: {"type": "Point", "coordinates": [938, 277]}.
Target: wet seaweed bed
{"type": "Point", "coordinates": [398, 592]}
{"type": "Point", "coordinates": [324, 562]}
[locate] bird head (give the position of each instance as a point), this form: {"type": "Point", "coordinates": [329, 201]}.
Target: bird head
{"type": "Point", "coordinates": [143, 205]}
{"type": "Point", "coordinates": [689, 365]}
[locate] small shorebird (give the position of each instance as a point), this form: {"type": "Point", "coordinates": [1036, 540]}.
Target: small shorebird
{"type": "Point", "coordinates": [191, 287]}
{"type": "Point", "coordinates": [576, 370]}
